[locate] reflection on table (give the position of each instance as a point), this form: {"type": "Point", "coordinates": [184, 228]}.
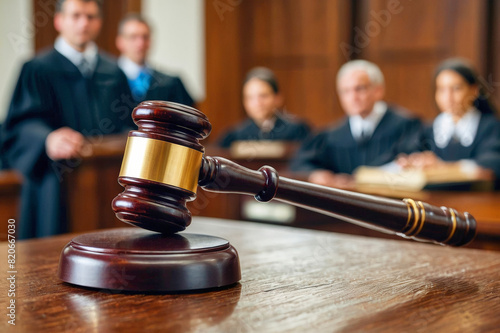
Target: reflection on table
{"type": "Point", "coordinates": [293, 280]}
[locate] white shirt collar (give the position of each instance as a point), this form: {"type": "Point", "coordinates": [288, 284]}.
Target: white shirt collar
{"type": "Point", "coordinates": [90, 53]}
{"type": "Point", "coordinates": [366, 126]}
{"type": "Point", "coordinates": [130, 68]}
{"type": "Point", "coordinates": [464, 130]}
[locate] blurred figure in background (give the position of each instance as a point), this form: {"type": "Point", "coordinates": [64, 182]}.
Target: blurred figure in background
{"type": "Point", "coordinates": [372, 134]}
{"type": "Point", "coordinates": [134, 42]}
{"type": "Point", "coordinates": [262, 102]}
{"type": "Point", "coordinates": [62, 95]}
{"type": "Point", "coordinates": [466, 130]}
{"type": "Point", "coordinates": [3, 159]}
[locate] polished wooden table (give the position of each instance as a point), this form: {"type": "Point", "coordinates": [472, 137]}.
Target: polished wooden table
{"type": "Point", "coordinates": [293, 280]}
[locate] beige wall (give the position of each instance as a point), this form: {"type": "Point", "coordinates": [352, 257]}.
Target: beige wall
{"type": "Point", "coordinates": [16, 45]}
{"type": "Point", "coordinates": [178, 40]}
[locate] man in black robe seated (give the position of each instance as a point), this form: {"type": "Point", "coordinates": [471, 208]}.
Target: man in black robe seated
{"type": "Point", "coordinates": [63, 95]}
{"type": "Point", "coordinates": [133, 41]}
{"type": "Point", "coordinates": [372, 134]}
{"type": "Point", "coordinates": [262, 101]}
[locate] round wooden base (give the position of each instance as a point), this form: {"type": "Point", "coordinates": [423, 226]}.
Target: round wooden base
{"type": "Point", "coordinates": [133, 259]}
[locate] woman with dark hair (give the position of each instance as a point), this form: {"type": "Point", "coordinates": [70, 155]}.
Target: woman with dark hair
{"type": "Point", "coordinates": [466, 131]}
{"type": "Point", "coordinates": [261, 101]}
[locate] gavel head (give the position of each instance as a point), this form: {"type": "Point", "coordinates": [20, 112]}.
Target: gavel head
{"type": "Point", "coordinates": [161, 165]}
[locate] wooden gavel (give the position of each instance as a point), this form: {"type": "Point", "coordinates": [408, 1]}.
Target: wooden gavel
{"type": "Point", "coordinates": [163, 164]}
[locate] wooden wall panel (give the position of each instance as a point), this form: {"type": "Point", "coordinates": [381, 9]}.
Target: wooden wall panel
{"type": "Point", "coordinates": [298, 39]}
{"type": "Point", "coordinates": [305, 42]}
{"type": "Point", "coordinates": [43, 14]}
{"type": "Point", "coordinates": [492, 76]}
{"type": "Point", "coordinates": [415, 38]}
{"type": "Point", "coordinates": [224, 68]}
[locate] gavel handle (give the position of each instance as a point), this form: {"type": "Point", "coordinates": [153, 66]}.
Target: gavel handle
{"type": "Point", "coordinates": [407, 218]}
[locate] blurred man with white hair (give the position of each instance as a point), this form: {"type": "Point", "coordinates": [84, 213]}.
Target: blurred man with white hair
{"type": "Point", "coordinates": [372, 133]}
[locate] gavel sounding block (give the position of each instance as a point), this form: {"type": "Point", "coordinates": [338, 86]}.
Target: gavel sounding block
{"type": "Point", "coordinates": [137, 260]}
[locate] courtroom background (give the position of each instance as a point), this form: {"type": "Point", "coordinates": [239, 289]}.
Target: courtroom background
{"type": "Point", "coordinates": [212, 43]}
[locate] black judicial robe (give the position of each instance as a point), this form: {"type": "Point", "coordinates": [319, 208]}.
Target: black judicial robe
{"type": "Point", "coordinates": [484, 150]}
{"type": "Point", "coordinates": [285, 128]}
{"type": "Point", "coordinates": [51, 93]}
{"type": "Point", "coordinates": [3, 159]}
{"type": "Point", "coordinates": [337, 150]}
{"type": "Point", "coordinates": [165, 87]}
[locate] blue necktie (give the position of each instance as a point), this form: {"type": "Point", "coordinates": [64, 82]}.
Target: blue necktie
{"type": "Point", "coordinates": [140, 85]}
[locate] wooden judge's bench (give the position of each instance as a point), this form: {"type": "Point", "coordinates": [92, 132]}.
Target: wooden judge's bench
{"type": "Point", "coordinates": [92, 185]}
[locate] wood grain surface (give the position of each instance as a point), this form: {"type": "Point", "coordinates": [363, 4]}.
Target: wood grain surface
{"type": "Point", "coordinates": [293, 280]}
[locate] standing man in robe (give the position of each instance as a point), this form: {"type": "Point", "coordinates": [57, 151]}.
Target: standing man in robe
{"type": "Point", "coordinates": [134, 41]}
{"type": "Point", "coordinates": [62, 96]}
{"type": "Point", "coordinates": [373, 133]}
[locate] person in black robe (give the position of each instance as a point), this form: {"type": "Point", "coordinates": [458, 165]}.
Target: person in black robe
{"type": "Point", "coordinates": [285, 128]}
{"type": "Point", "coordinates": [55, 106]}
{"type": "Point", "coordinates": [372, 134]}
{"type": "Point", "coordinates": [261, 100]}
{"type": "Point", "coordinates": [3, 159]}
{"type": "Point", "coordinates": [466, 131]}
{"type": "Point", "coordinates": [146, 83]}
